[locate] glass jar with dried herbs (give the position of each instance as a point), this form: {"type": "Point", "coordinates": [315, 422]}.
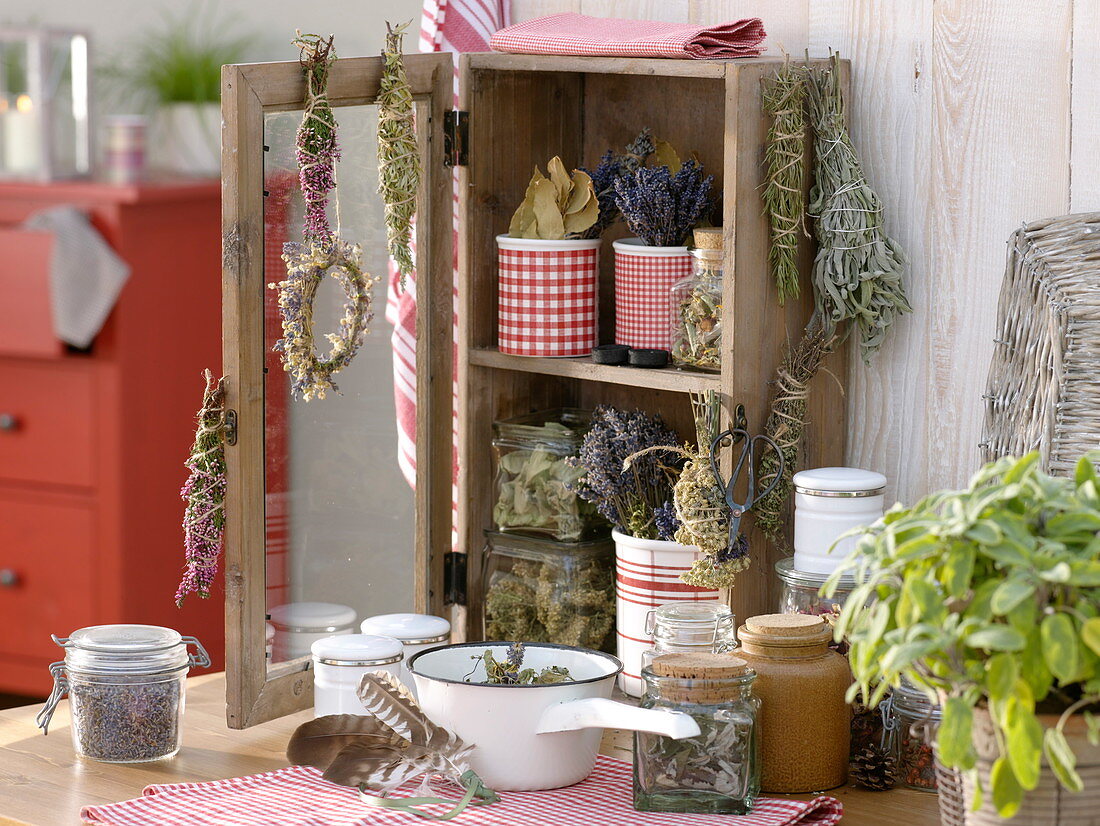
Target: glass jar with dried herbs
{"type": "Point", "coordinates": [535, 484]}
{"type": "Point", "coordinates": [717, 771]}
{"type": "Point", "coordinates": [126, 686]}
{"type": "Point", "coordinates": [915, 719]}
{"type": "Point", "coordinates": [697, 306]}
{"type": "Point", "coordinates": [540, 590]}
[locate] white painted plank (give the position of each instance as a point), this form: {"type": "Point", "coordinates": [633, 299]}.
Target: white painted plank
{"type": "Point", "coordinates": [889, 42]}
{"type": "Point", "coordinates": [786, 23]}
{"type": "Point", "coordinates": [1000, 156]}
{"type": "Point", "coordinates": [1085, 118]}
{"type": "Point", "coordinates": [527, 9]}
{"type": "Point", "coordinates": [667, 11]}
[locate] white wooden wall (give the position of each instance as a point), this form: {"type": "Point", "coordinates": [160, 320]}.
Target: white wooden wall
{"type": "Point", "coordinates": [972, 116]}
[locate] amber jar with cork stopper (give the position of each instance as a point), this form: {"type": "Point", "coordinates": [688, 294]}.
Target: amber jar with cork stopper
{"type": "Point", "coordinates": [805, 723]}
{"type": "Point", "coordinates": [717, 771]}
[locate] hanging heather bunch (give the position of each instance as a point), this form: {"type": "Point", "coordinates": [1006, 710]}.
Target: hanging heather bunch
{"type": "Point", "coordinates": [204, 495]}
{"type": "Point", "coordinates": [316, 151]}
{"type": "Point", "coordinates": [662, 207]}
{"type": "Point", "coordinates": [323, 252]}
{"type": "Point", "coordinates": [398, 157]}
{"type": "Point", "coordinates": [632, 492]}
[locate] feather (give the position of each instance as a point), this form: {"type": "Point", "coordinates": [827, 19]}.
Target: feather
{"type": "Point", "coordinates": [317, 742]}
{"type": "Point", "coordinates": [391, 702]}
{"type": "Point", "coordinates": [382, 770]}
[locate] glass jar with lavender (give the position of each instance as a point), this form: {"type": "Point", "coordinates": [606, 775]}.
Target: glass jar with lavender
{"type": "Point", "coordinates": [718, 770]}
{"type": "Point", "coordinates": [126, 688]}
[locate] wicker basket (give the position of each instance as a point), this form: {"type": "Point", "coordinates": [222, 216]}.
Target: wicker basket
{"type": "Point", "coordinates": [1042, 390]}
{"type": "Point", "coordinates": [949, 787]}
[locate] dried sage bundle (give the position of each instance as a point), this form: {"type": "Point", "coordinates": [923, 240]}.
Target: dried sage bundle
{"type": "Point", "coordinates": [857, 273]}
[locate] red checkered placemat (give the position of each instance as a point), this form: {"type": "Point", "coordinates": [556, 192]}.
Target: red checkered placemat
{"type": "Point", "coordinates": [297, 796]}
{"type": "Point", "coordinates": [579, 34]}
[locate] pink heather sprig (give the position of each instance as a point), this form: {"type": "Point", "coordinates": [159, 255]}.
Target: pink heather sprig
{"type": "Point", "coordinates": [316, 149]}
{"type": "Point", "coordinates": [204, 495]}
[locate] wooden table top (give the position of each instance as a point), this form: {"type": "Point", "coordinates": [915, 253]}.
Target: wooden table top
{"type": "Point", "coordinates": [43, 783]}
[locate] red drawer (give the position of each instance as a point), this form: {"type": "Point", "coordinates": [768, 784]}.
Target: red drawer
{"type": "Point", "coordinates": [47, 577]}
{"type": "Point", "coordinates": [46, 422]}
{"type": "Point", "coordinates": [26, 317]}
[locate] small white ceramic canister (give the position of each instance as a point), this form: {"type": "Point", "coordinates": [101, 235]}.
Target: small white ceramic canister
{"type": "Point", "coordinates": [829, 502]}
{"type": "Point", "coordinates": [300, 624]}
{"type": "Point", "coordinates": [417, 632]}
{"type": "Point", "coordinates": [339, 664]}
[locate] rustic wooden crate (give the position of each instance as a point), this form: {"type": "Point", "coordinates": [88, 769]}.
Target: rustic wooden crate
{"type": "Point", "coordinates": [524, 109]}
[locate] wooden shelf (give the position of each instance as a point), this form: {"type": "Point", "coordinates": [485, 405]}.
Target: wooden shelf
{"type": "Point", "coordinates": [665, 378]}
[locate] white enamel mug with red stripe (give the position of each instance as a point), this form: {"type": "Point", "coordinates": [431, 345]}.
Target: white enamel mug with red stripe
{"type": "Point", "coordinates": [647, 576]}
{"type": "Point", "coordinates": [529, 737]}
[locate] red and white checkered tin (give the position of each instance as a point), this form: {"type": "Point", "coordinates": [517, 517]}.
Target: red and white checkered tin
{"type": "Point", "coordinates": [547, 296]}
{"type": "Point", "coordinates": [644, 277]}
{"type": "Point", "coordinates": [647, 576]}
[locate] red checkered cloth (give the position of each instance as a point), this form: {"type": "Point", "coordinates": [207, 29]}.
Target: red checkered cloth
{"type": "Point", "coordinates": [579, 34]}
{"type": "Point", "coordinates": [297, 796]}
{"type": "Point", "coordinates": [644, 312]}
{"type": "Point", "coordinates": [547, 302]}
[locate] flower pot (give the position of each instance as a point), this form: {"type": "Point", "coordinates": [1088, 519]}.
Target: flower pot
{"type": "Point", "coordinates": [547, 296]}
{"type": "Point", "coordinates": [187, 139]}
{"type": "Point", "coordinates": [647, 576]}
{"type": "Point", "coordinates": [644, 278]}
{"type": "Point", "coordinates": [1047, 805]}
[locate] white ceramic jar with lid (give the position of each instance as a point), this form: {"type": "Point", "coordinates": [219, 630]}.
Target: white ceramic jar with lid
{"type": "Point", "coordinates": [339, 663]}
{"type": "Point", "coordinates": [417, 632]}
{"type": "Point", "coordinates": [829, 502]}
{"type": "Point", "coordinates": [300, 624]}
{"type": "Point", "coordinates": [126, 687]}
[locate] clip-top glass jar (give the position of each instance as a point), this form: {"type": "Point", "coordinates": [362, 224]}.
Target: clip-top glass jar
{"type": "Point", "coordinates": [126, 688]}
{"type": "Point", "coordinates": [339, 664]}
{"type": "Point", "coordinates": [697, 306]}
{"type": "Point", "coordinates": [915, 720]}
{"type": "Point", "coordinates": [717, 771]}
{"type": "Point", "coordinates": [801, 592]}
{"type": "Point", "coordinates": [690, 628]}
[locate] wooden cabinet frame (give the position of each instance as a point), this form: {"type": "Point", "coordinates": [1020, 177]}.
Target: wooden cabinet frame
{"type": "Point", "coordinates": [256, 693]}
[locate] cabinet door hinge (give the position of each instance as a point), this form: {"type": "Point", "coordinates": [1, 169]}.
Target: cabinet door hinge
{"type": "Point", "coordinates": [456, 135]}
{"type": "Point", "coordinates": [229, 426]}
{"type": "Point", "coordinates": [454, 578]}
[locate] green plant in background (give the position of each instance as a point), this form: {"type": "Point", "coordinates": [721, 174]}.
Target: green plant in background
{"type": "Point", "coordinates": [989, 596]}
{"type": "Point", "coordinates": [181, 61]}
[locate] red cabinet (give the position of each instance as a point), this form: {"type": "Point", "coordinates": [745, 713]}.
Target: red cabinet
{"type": "Point", "coordinates": [92, 444]}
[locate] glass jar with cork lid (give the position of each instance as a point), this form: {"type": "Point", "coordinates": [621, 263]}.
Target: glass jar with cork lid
{"type": "Point", "coordinates": [717, 771]}
{"type": "Point", "coordinates": [697, 306]}
{"type": "Point", "coordinates": [805, 722]}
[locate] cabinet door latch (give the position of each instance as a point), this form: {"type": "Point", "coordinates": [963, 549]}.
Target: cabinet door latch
{"type": "Point", "coordinates": [229, 426]}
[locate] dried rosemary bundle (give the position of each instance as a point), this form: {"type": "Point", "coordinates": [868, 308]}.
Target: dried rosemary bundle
{"type": "Point", "coordinates": [783, 190]}
{"type": "Point", "coordinates": [857, 274]}
{"type": "Point", "coordinates": [785, 423]}
{"type": "Point", "coordinates": [398, 159]}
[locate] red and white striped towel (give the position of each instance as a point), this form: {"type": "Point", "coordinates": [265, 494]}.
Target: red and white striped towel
{"type": "Point", "coordinates": [297, 796]}
{"type": "Point", "coordinates": [579, 34]}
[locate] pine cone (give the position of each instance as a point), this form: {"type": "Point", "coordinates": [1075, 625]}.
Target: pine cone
{"type": "Point", "coordinates": [874, 768]}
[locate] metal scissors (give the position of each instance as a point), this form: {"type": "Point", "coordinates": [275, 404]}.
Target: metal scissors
{"type": "Point", "coordinates": [747, 460]}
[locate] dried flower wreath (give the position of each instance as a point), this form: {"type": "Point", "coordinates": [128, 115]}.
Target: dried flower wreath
{"type": "Point", "coordinates": [323, 251]}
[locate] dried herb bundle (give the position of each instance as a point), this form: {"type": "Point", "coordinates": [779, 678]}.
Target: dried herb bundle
{"type": "Point", "coordinates": [556, 207]}
{"type": "Point", "coordinates": [857, 273]}
{"type": "Point", "coordinates": [399, 169]}
{"type": "Point", "coordinates": [783, 191]}
{"type": "Point", "coordinates": [662, 206]}
{"type": "Point", "coordinates": [785, 423]}
{"type": "Point", "coordinates": [510, 670]}
{"type": "Point", "coordinates": [317, 151]}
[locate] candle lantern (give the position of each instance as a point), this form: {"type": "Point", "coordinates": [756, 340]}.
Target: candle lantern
{"type": "Point", "coordinates": [45, 76]}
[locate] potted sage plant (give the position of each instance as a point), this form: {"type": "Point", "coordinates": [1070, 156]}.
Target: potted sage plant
{"type": "Point", "coordinates": [989, 597]}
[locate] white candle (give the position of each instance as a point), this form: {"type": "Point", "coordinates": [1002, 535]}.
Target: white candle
{"type": "Point", "coordinates": [21, 137]}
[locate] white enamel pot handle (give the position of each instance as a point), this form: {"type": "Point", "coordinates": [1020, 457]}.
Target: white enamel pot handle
{"type": "Point", "coordinates": [596, 712]}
